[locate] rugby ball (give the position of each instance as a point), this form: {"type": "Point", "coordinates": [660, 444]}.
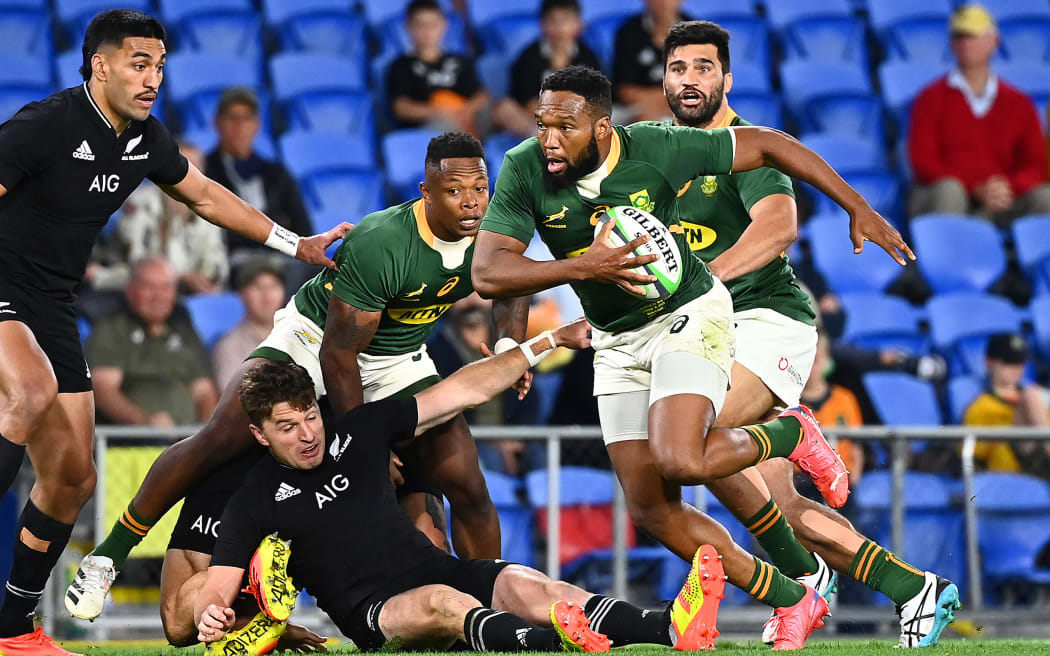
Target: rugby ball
{"type": "Point", "coordinates": [631, 222]}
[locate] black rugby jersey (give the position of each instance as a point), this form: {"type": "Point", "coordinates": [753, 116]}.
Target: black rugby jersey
{"type": "Point", "coordinates": [66, 172]}
{"type": "Point", "coordinates": [349, 536]}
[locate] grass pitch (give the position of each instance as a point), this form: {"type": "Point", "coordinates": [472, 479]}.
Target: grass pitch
{"type": "Point", "coordinates": [815, 648]}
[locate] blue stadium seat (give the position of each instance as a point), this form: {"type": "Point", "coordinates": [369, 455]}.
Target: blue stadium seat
{"type": "Point", "coordinates": [882, 190]}
{"type": "Point", "coordinates": [961, 323]}
{"type": "Point", "coordinates": [394, 37]}
{"type": "Point", "coordinates": [830, 37]}
{"type": "Point", "coordinates": [885, 14]}
{"type": "Point", "coordinates": [482, 13]}
{"type": "Point", "coordinates": [515, 519]}
{"type": "Point", "coordinates": [848, 154]}
{"type": "Point", "coordinates": [333, 111]}
{"type": "Point", "coordinates": [195, 80]}
{"type": "Point", "coordinates": [23, 79]}
{"type": "Point", "coordinates": [335, 196]}
{"type": "Point", "coordinates": [1026, 40]}
{"type": "Point", "coordinates": [783, 13]}
{"type": "Point", "coordinates": [592, 10]}
{"type": "Point", "coordinates": [337, 33]}
{"type": "Point", "coordinates": [881, 322]}
{"type": "Point", "coordinates": [750, 77]}
{"type": "Point", "coordinates": [337, 172]}
{"type": "Point", "coordinates": [934, 539]}
{"type": "Point", "coordinates": [378, 12]}
{"type": "Point", "coordinates": [214, 314]}
{"type": "Point", "coordinates": [307, 153]}
{"type": "Point", "coordinates": [902, 399]}
{"type": "Point", "coordinates": [174, 11]}
{"type": "Point", "coordinates": [870, 271]}
{"type": "Point", "coordinates": [403, 151]}
{"type": "Point", "coordinates": [750, 42]}
{"type": "Point", "coordinates": [508, 35]}
{"type": "Point", "coordinates": [600, 35]}
{"type": "Point", "coordinates": [25, 32]}
{"type": "Point", "coordinates": [67, 71]}
{"type": "Point", "coordinates": [207, 139]}
{"type": "Point", "coordinates": [496, 148]}
{"type": "Point", "coordinates": [222, 27]}
{"type": "Point", "coordinates": [1013, 526]}
{"type": "Point", "coordinates": [1032, 240]}
{"type": "Point", "coordinates": [919, 40]}
{"type": "Point", "coordinates": [1031, 78]}
{"type": "Point", "coordinates": [1039, 308]}
{"type": "Point", "coordinates": [811, 85]}
{"type": "Point", "coordinates": [74, 15]}
{"type": "Point", "coordinates": [962, 390]}
{"type": "Point", "coordinates": [277, 12]}
{"type": "Point", "coordinates": [958, 253]}
{"type": "Point", "coordinates": [322, 92]}
{"type": "Point", "coordinates": [1005, 10]}
{"type": "Point", "coordinates": [494, 73]}
{"type": "Point", "coordinates": [758, 108]}
{"type": "Point", "coordinates": [902, 81]}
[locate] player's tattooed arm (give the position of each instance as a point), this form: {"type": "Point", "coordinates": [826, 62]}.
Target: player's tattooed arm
{"type": "Point", "coordinates": [773, 227]}
{"type": "Point", "coordinates": [348, 331]}
{"type": "Point", "coordinates": [511, 317]}
{"type": "Point", "coordinates": [759, 146]}
{"type": "Point", "coordinates": [213, 606]}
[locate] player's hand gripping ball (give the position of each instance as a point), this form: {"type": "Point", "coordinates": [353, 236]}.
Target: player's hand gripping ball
{"type": "Point", "coordinates": [631, 222]}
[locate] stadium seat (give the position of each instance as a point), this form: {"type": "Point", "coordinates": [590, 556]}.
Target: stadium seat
{"type": "Point", "coordinates": [337, 172]}
{"type": "Point", "coordinates": [750, 77]}
{"type": "Point", "coordinates": [885, 14]}
{"type": "Point", "coordinates": [481, 14]}
{"type": "Point", "coordinates": [319, 30]}
{"type": "Point", "coordinates": [848, 154]}
{"type": "Point", "coordinates": [921, 40]}
{"type": "Point", "coordinates": [758, 108]}
{"type": "Point", "coordinates": [827, 37]}
{"type": "Point", "coordinates": [1031, 78]}
{"type": "Point", "coordinates": [343, 195]}
{"type": "Point", "coordinates": [207, 139]}
{"type": "Point", "coordinates": [870, 271]}
{"type": "Point", "coordinates": [214, 314]}
{"type": "Point", "coordinates": [403, 151]}
{"type": "Point", "coordinates": [493, 71]}
{"type": "Point", "coordinates": [1026, 40]}
{"type": "Point", "coordinates": [74, 15]}
{"type": "Point", "coordinates": [1013, 512]}
{"type": "Point", "coordinates": [515, 519]}
{"type": "Point", "coordinates": [962, 390]}
{"type": "Point", "coordinates": [1032, 241]}
{"type": "Point", "coordinates": [1006, 10]}
{"type": "Point", "coordinates": [67, 71]}
{"type": "Point", "coordinates": [958, 253]}
{"type": "Point", "coordinates": [882, 190]}
{"type": "Point", "coordinates": [751, 40]}
{"type": "Point", "coordinates": [496, 148]}
{"type": "Point", "coordinates": [600, 35]}
{"type": "Point", "coordinates": [195, 80]}
{"type": "Point", "coordinates": [881, 322]}
{"type": "Point", "coordinates": [509, 34]}
{"type": "Point", "coordinates": [306, 153]}
{"type": "Point", "coordinates": [221, 27]}
{"type": "Point", "coordinates": [934, 539]}
{"type": "Point", "coordinates": [782, 13]}
{"type": "Point", "coordinates": [901, 82]}
{"type": "Point", "coordinates": [345, 112]}
{"type": "Point", "coordinates": [812, 86]}
{"type": "Point", "coordinates": [1039, 308]}
{"type": "Point", "coordinates": [960, 324]}
{"type": "Point", "coordinates": [592, 10]}
{"type": "Point", "coordinates": [25, 31]}
{"type": "Point", "coordinates": [322, 92]}
{"type": "Point", "coordinates": [902, 399]}
{"type": "Point", "coordinates": [23, 79]}
{"type": "Point", "coordinates": [394, 36]}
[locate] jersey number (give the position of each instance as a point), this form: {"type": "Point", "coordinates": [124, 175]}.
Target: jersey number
{"type": "Point", "coordinates": [679, 324]}
{"type": "Point", "coordinates": [449, 286]}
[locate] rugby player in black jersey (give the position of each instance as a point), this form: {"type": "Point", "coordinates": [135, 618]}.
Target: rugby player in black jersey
{"type": "Point", "coordinates": [67, 163]}
{"type": "Point", "coordinates": [326, 494]}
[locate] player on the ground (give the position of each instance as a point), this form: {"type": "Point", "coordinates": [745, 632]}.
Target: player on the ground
{"type": "Point", "coordinates": [661, 367]}
{"type": "Point", "coordinates": [360, 332]}
{"type": "Point", "coordinates": [325, 493]}
{"type": "Point", "coordinates": [740, 225]}
{"type": "Point", "coordinates": [67, 163]}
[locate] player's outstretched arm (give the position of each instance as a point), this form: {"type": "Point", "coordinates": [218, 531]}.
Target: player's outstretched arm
{"type": "Point", "coordinates": [348, 331]}
{"type": "Point", "coordinates": [511, 318]}
{"type": "Point", "coordinates": [500, 267]}
{"type": "Point", "coordinates": [217, 204]}
{"type": "Point", "coordinates": [212, 608]}
{"type": "Point", "coordinates": [760, 146]}
{"type": "Point", "coordinates": [479, 382]}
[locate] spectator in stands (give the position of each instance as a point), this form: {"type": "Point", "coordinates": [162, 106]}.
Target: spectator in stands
{"type": "Point", "coordinates": [429, 86]}
{"type": "Point", "coordinates": [262, 183]}
{"type": "Point", "coordinates": [1008, 401]}
{"type": "Point", "coordinates": [975, 141]}
{"type": "Point", "coordinates": [834, 405]}
{"type": "Point", "coordinates": [260, 284]}
{"type": "Point", "coordinates": [148, 365]}
{"type": "Point", "coordinates": [558, 47]}
{"type": "Point", "coordinates": [638, 60]}
{"type": "Point", "coordinates": [152, 223]}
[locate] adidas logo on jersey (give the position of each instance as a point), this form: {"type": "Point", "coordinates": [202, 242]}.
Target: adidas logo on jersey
{"type": "Point", "coordinates": [83, 152]}
{"type": "Point", "coordinates": [286, 492]}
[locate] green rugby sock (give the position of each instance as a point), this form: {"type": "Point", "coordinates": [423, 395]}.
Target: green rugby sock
{"type": "Point", "coordinates": [771, 587]}
{"type": "Point", "coordinates": [775, 535]}
{"type": "Point", "coordinates": [775, 439]}
{"type": "Point", "coordinates": [883, 572]}
{"type": "Point", "coordinates": [125, 535]}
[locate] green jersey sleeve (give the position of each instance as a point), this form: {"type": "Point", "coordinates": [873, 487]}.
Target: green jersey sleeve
{"type": "Point", "coordinates": [682, 153]}
{"type": "Point", "coordinates": [759, 183]}
{"type": "Point", "coordinates": [369, 274]}
{"type": "Point", "coordinates": [510, 210]}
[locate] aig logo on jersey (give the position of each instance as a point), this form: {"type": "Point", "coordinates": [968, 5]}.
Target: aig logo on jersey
{"type": "Point", "coordinates": [331, 490]}
{"type": "Point", "coordinates": [105, 183]}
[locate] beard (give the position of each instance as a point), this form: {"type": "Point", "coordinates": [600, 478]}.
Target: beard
{"type": "Point", "coordinates": [700, 115]}
{"type": "Point", "coordinates": [587, 163]}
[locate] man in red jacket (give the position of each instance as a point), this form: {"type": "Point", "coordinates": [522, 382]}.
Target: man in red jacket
{"type": "Point", "coordinates": [975, 142]}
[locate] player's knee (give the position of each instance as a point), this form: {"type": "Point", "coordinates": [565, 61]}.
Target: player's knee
{"type": "Point", "coordinates": [75, 484]}
{"type": "Point", "coordinates": [680, 468]}
{"type": "Point", "coordinates": [26, 405]}
{"type": "Point", "coordinates": [177, 635]}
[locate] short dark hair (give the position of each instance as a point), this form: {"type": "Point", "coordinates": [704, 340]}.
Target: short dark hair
{"type": "Point", "coordinates": [452, 144]}
{"type": "Point", "coordinates": [547, 6]}
{"type": "Point", "coordinates": [417, 6]}
{"type": "Point", "coordinates": [693, 33]}
{"type": "Point", "coordinates": [112, 27]}
{"type": "Point", "coordinates": [269, 383]}
{"type": "Point", "coordinates": [583, 81]}
{"type": "Point", "coordinates": [237, 96]}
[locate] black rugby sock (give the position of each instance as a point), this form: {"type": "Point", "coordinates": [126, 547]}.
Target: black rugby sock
{"type": "Point", "coordinates": [11, 456]}
{"type": "Point", "coordinates": [38, 544]}
{"type": "Point", "coordinates": [626, 624]}
{"type": "Point", "coordinates": [495, 630]}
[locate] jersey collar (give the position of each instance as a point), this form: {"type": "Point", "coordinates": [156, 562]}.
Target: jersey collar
{"type": "Point", "coordinates": [94, 105]}
{"type": "Point", "coordinates": [420, 212]}
{"type": "Point", "coordinates": [589, 185]}
{"type": "Point", "coordinates": [728, 120]}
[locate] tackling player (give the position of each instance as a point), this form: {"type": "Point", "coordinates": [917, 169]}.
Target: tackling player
{"type": "Point", "coordinates": [67, 163]}
{"type": "Point", "coordinates": [661, 367]}
{"type": "Point", "coordinates": [326, 492]}
{"type": "Point", "coordinates": [740, 225]}
{"type": "Point", "coordinates": [360, 332]}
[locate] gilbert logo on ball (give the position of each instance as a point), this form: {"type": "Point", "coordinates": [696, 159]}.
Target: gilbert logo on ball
{"type": "Point", "coordinates": [631, 222]}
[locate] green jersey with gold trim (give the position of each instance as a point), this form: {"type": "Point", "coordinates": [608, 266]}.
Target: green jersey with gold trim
{"type": "Point", "coordinates": [392, 263]}
{"type": "Point", "coordinates": [647, 164]}
{"type": "Point", "coordinates": [715, 211]}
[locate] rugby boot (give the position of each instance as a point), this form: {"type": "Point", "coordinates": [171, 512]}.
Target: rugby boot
{"type": "Point", "coordinates": [36, 643]}
{"type": "Point", "coordinates": [795, 623]}
{"type": "Point", "coordinates": [268, 578]}
{"type": "Point", "coordinates": [824, 581]}
{"type": "Point", "coordinates": [925, 616]}
{"type": "Point", "coordinates": [258, 636]}
{"type": "Point", "coordinates": [815, 456]}
{"type": "Point", "coordinates": [694, 613]}
{"type": "Point", "coordinates": [574, 629]}
{"type": "Point", "coordinates": [86, 595]}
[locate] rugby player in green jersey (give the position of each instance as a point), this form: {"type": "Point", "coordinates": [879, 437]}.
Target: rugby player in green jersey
{"type": "Point", "coordinates": [360, 332]}
{"type": "Point", "coordinates": [661, 367]}
{"type": "Point", "coordinates": [740, 225]}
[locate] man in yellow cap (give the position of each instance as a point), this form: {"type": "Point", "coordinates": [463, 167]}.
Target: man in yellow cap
{"type": "Point", "coordinates": [975, 141]}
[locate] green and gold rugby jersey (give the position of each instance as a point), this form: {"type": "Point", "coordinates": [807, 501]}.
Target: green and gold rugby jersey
{"type": "Point", "coordinates": [388, 263]}
{"type": "Point", "coordinates": [647, 165]}
{"type": "Point", "coordinates": [715, 211]}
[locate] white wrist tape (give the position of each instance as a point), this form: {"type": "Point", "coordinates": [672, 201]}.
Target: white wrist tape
{"type": "Point", "coordinates": [538, 347]}
{"type": "Point", "coordinates": [283, 240]}
{"type": "Point", "coordinates": [504, 344]}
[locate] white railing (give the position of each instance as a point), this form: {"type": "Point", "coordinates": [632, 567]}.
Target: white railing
{"type": "Point", "coordinates": [898, 436]}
